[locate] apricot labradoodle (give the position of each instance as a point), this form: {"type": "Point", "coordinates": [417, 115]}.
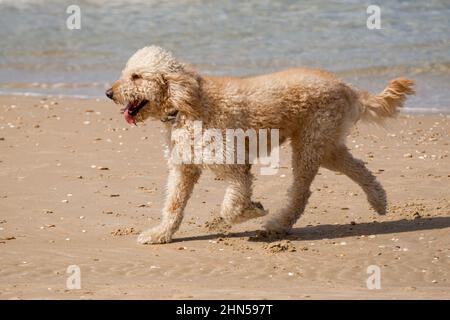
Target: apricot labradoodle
{"type": "Point", "coordinates": [313, 109]}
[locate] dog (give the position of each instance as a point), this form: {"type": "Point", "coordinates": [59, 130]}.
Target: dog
{"type": "Point", "coordinates": [312, 109]}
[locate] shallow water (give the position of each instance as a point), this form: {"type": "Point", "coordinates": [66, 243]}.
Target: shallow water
{"type": "Point", "coordinates": [39, 54]}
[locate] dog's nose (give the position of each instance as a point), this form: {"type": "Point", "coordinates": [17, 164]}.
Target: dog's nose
{"type": "Point", "coordinates": [109, 93]}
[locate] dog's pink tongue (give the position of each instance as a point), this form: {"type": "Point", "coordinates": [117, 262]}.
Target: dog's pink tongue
{"type": "Point", "coordinates": [128, 117]}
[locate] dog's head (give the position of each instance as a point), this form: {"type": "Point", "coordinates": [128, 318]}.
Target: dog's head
{"type": "Point", "coordinates": [153, 84]}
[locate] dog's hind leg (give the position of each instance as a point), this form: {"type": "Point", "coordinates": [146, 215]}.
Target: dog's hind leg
{"type": "Point", "coordinates": [182, 179]}
{"type": "Point", "coordinates": [306, 158]}
{"type": "Point", "coordinates": [341, 160]}
{"type": "Point", "coordinates": [237, 206]}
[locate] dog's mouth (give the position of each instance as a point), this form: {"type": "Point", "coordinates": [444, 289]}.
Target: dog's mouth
{"type": "Point", "coordinates": [132, 109]}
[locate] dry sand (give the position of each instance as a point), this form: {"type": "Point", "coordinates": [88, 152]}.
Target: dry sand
{"type": "Point", "coordinates": [78, 184]}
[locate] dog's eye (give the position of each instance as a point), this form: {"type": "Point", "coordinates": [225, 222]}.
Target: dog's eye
{"type": "Point", "coordinates": [135, 76]}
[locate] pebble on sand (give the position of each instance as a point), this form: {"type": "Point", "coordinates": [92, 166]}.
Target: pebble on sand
{"type": "Point", "coordinates": [407, 155]}
{"type": "Point", "coordinates": [47, 226]}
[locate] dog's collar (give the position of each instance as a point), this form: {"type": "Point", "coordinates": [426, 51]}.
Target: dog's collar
{"type": "Point", "coordinates": [170, 117]}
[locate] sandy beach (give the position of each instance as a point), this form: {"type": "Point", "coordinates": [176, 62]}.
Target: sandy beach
{"type": "Point", "coordinates": [78, 184]}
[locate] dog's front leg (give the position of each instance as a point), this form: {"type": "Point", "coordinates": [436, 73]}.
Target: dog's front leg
{"type": "Point", "coordinates": [182, 179]}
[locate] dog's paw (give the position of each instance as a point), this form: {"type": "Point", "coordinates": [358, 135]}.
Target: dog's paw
{"type": "Point", "coordinates": [258, 205]}
{"type": "Point", "coordinates": [153, 236]}
{"type": "Point", "coordinates": [377, 199]}
{"type": "Point", "coordinates": [379, 205]}
{"type": "Point", "coordinates": [273, 227]}
{"type": "Point", "coordinates": [257, 211]}
{"type": "Point", "coordinates": [380, 208]}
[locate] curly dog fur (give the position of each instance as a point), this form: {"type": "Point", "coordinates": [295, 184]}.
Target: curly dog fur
{"type": "Point", "coordinates": [313, 110]}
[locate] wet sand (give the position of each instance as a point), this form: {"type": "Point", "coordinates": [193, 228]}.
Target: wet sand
{"type": "Point", "coordinates": [78, 184]}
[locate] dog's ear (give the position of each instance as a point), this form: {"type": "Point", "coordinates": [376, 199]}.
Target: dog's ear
{"type": "Point", "coordinates": [183, 92]}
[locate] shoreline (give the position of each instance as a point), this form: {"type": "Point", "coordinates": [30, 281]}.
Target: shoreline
{"type": "Point", "coordinates": [441, 111]}
{"type": "Point", "coordinates": [78, 184]}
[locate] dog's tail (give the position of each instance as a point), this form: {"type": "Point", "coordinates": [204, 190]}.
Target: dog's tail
{"type": "Point", "coordinates": [377, 108]}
